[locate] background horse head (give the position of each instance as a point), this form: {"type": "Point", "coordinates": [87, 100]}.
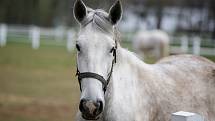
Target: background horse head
{"type": "Point", "coordinates": [96, 46]}
{"type": "Point", "coordinates": [154, 43]}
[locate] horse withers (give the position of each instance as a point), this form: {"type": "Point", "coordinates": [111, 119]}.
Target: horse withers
{"type": "Point", "coordinates": [117, 86]}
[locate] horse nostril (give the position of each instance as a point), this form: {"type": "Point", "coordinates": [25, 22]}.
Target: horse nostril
{"type": "Point", "coordinates": [90, 107]}
{"type": "Point", "coordinates": [99, 106]}
{"type": "Point", "coordinates": [82, 104]}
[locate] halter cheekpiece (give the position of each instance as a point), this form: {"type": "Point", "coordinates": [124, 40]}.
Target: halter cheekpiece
{"type": "Point", "coordinates": [82, 75]}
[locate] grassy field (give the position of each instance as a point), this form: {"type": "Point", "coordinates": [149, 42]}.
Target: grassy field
{"type": "Point", "coordinates": [38, 85]}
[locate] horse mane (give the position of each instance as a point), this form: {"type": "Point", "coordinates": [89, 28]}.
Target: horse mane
{"type": "Point", "coordinates": [101, 22]}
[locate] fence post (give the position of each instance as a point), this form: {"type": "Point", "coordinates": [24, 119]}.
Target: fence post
{"type": "Point", "coordinates": [70, 40]}
{"type": "Point", "coordinates": [196, 45]}
{"type": "Point", "coordinates": [59, 33]}
{"type": "Point", "coordinates": [184, 44]}
{"type": "Point", "coordinates": [3, 35]}
{"type": "Point", "coordinates": [35, 36]}
{"type": "Point", "coordinates": [186, 116]}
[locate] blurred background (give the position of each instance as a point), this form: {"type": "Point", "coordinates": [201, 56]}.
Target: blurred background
{"type": "Point", "coordinates": [37, 55]}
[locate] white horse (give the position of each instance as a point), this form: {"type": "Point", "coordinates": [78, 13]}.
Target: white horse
{"type": "Point", "coordinates": [117, 86]}
{"type": "Point", "coordinates": [151, 43]}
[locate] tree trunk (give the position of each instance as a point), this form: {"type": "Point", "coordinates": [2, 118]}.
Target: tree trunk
{"type": "Point", "coordinates": [159, 20]}
{"type": "Point", "coordinates": [159, 14]}
{"type": "Point", "coordinates": [213, 34]}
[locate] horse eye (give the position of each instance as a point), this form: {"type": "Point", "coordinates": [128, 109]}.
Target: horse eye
{"type": "Point", "coordinates": [77, 47]}
{"type": "Point", "coordinates": [112, 49]}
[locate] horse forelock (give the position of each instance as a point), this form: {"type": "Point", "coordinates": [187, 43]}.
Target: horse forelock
{"type": "Point", "coordinates": [100, 21]}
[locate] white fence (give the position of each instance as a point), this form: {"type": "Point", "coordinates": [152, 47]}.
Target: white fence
{"type": "Point", "coordinates": [62, 36]}
{"type": "Point", "coordinates": [3, 35]}
{"type": "Point", "coordinates": [194, 45]}
{"type": "Point", "coordinates": [36, 35]}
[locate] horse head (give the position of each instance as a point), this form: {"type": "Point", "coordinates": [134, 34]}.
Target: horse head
{"type": "Point", "coordinates": [96, 53]}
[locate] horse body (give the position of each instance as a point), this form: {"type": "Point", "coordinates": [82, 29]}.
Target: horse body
{"type": "Point", "coordinates": [142, 92]}
{"type": "Point", "coordinates": [136, 91]}
{"type": "Point", "coordinates": [154, 42]}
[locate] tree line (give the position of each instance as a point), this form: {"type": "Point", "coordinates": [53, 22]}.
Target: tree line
{"type": "Point", "coordinates": [54, 12]}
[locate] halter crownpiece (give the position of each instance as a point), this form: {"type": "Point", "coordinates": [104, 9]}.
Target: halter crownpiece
{"type": "Point", "coordinates": [100, 78]}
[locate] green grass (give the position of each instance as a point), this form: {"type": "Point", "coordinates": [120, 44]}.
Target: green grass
{"type": "Point", "coordinates": [212, 58]}
{"type": "Point", "coordinates": [45, 78]}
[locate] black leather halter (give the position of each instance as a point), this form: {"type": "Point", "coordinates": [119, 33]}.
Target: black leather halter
{"type": "Point", "coordinates": [100, 78]}
{"type": "Point", "coordinates": [82, 75]}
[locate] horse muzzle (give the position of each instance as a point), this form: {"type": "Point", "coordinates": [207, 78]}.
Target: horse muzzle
{"type": "Point", "coordinates": [90, 109]}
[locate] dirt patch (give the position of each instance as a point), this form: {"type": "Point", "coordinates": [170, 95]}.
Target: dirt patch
{"type": "Point", "coordinates": [36, 108]}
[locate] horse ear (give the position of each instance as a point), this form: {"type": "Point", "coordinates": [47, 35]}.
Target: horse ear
{"type": "Point", "coordinates": [80, 10]}
{"type": "Point", "coordinates": [115, 12]}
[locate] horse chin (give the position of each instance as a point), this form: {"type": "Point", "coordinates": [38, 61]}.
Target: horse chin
{"type": "Point", "coordinates": [90, 117]}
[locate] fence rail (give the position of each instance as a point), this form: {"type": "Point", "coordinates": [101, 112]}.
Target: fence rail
{"type": "Point", "coordinates": [66, 37]}
{"type": "Point", "coordinates": [37, 35]}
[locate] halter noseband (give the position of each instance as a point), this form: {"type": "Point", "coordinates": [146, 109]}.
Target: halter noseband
{"type": "Point", "coordinates": [97, 76]}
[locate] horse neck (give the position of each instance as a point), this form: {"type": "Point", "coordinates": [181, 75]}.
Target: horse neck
{"type": "Point", "coordinates": [126, 71]}
{"type": "Point", "coordinates": [125, 89]}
